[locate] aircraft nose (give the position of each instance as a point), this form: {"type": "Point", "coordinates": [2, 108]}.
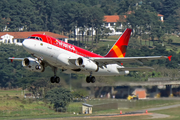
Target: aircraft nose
{"type": "Point", "coordinates": [25, 44]}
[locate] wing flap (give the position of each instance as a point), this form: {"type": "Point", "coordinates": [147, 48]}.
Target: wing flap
{"type": "Point", "coordinates": [113, 60]}
{"type": "Point", "coordinates": [135, 68]}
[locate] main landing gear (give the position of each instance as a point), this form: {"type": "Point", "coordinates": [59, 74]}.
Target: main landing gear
{"type": "Point", "coordinates": [91, 79]}
{"type": "Point", "coordinates": [55, 79]}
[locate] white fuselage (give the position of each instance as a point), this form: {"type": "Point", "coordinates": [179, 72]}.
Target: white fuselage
{"type": "Point", "coordinates": [59, 57]}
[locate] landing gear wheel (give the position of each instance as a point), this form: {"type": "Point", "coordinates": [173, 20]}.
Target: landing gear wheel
{"type": "Point", "coordinates": [93, 79]}
{"type": "Point", "coordinates": [52, 80]}
{"type": "Point", "coordinates": [88, 79]}
{"type": "Point", "coordinates": [57, 79]}
{"type": "Point", "coordinates": [38, 67]}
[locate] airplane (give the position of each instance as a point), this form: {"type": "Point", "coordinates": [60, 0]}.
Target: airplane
{"type": "Point", "coordinates": [49, 51]}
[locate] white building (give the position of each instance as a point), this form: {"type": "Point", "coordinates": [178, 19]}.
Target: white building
{"type": "Point", "coordinates": [161, 17]}
{"type": "Point", "coordinates": [87, 31]}
{"type": "Point", "coordinates": [8, 39]}
{"type": "Point", "coordinates": [111, 22]}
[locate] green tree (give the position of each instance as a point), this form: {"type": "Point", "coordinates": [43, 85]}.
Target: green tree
{"type": "Point", "coordinates": [59, 97]}
{"type": "Point", "coordinates": [109, 7]}
{"type": "Point", "coordinates": [80, 93]}
{"type": "Point", "coordinates": [169, 10]}
{"type": "Point", "coordinates": [95, 20]}
{"type": "Point", "coordinates": [143, 20]}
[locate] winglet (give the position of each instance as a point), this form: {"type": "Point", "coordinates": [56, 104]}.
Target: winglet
{"type": "Point", "coordinates": [169, 57]}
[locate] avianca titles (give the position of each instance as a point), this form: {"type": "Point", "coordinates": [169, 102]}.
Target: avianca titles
{"type": "Point", "coordinates": [49, 51]}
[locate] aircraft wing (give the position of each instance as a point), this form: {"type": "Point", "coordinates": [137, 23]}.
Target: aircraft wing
{"type": "Point", "coordinates": [140, 60]}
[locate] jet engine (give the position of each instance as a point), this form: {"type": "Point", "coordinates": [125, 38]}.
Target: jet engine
{"type": "Point", "coordinates": [33, 65]}
{"type": "Point", "coordinates": [86, 64]}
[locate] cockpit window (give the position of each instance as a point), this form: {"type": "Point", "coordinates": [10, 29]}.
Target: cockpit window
{"type": "Point", "coordinates": [32, 37]}
{"type": "Point", "coordinates": [37, 38]}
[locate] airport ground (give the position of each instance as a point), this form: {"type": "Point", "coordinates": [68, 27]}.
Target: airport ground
{"type": "Point", "coordinates": [27, 109]}
{"type": "Point", "coordinates": [166, 114]}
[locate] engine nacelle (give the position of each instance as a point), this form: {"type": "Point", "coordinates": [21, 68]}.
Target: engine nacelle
{"type": "Point", "coordinates": [126, 72]}
{"type": "Point", "coordinates": [87, 64]}
{"type": "Point", "coordinates": [32, 65]}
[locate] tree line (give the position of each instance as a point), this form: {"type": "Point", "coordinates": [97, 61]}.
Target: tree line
{"type": "Point", "coordinates": [63, 15]}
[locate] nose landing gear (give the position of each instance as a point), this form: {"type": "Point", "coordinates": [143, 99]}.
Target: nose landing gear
{"type": "Point", "coordinates": [55, 79]}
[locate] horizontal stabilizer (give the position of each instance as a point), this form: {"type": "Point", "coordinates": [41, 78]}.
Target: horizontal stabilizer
{"type": "Point", "coordinates": [17, 59]}
{"type": "Point", "coordinates": [135, 68]}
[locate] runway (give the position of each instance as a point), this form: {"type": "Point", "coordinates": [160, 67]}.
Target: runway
{"type": "Point", "coordinates": [120, 115]}
{"type": "Point", "coordinates": [100, 116]}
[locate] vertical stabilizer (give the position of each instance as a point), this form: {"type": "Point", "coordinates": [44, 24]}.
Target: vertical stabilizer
{"type": "Point", "coordinates": [119, 48]}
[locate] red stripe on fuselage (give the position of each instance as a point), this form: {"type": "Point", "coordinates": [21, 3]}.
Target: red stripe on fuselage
{"type": "Point", "coordinates": [66, 46]}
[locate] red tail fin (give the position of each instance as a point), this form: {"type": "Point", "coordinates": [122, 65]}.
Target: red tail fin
{"type": "Point", "coordinates": [119, 48]}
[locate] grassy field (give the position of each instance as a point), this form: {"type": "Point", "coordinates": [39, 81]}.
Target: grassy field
{"type": "Point", "coordinates": [173, 112]}
{"type": "Point", "coordinates": [17, 92]}
{"type": "Point", "coordinates": [28, 108]}
{"type": "Point", "coordinates": [106, 43]}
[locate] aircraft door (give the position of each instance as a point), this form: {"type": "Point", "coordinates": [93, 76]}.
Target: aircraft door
{"type": "Point", "coordinates": [49, 46]}
{"type": "Point", "coordinates": [51, 51]}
